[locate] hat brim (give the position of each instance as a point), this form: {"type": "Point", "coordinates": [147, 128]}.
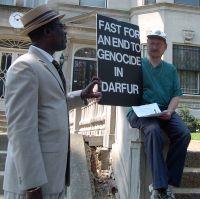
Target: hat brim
{"type": "Point", "coordinates": [26, 31]}
{"type": "Point", "coordinates": [156, 36]}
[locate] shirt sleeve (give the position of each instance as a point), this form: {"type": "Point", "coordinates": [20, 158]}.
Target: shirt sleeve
{"type": "Point", "coordinates": [177, 88]}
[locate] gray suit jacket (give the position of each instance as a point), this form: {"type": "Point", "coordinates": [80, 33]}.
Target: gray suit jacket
{"type": "Point", "coordinates": [37, 115]}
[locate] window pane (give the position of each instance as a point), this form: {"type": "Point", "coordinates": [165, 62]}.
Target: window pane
{"type": "Point", "coordinates": [83, 72]}
{"type": "Point", "coordinates": [6, 59]}
{"type": "Point", "coordinates": [186, 57]}
{"type": "Point", "coordinates": [7, 2]}
{"type": "Point", "coordinates": [84, 67]}
{"type": "Point", "coordinates": [189, 82]}
{"type": "Point", "coordinates": [96, 3]}
{"type": "Point", "coordinates": [34, 3]}
{"type": "Point", "coordinates": [144, 50]}
{"type": "Point", "coordinates": [187, 60]}
{"type": "Point", "coordinates": [188, 2]}
{"type": "Point", "coordinates": [147, 2]}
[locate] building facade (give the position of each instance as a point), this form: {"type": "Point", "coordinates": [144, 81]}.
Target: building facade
{"type": "Point", "coordinates": [178, 18]}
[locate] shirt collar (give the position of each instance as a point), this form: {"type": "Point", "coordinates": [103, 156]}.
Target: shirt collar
{"type": "Point", "coordinates": [44, 53]}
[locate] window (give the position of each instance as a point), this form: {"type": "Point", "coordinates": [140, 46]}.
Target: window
{"type": "Point", "coordinates": [84, 68]}
{"type": "Point", "coordinates": [187, 60]}
{"type": "Point", "coordinates": [9, 51]}
{"type": "Point", "coordinates": [188, 2]}
{"type": "Point", "coordinates": [92, 3]}
{"type": "Point", "coordinates": [143, 50]}
{"type": "Point", "coordinates": [9, 43]}
{"type": "Point", "coordinates": [34, 3]}
{"type": "Point", "coordinates": [148, 2]}
{"type": "Point", "coordinates": [7, 2]}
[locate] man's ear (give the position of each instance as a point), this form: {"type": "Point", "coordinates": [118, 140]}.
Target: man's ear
{"type": "Point", "coordinates": [47, 31]}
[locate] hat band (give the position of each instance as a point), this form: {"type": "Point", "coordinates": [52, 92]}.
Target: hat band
{"type": "Point", "coordinates": [41, 18]}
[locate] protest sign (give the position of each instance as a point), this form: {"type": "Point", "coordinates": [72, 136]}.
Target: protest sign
{"type": "Point", "coordinates": [119, 62]}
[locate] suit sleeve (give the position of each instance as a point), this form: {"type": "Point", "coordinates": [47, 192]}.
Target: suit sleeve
{"type": "Point", "coordinates": [21, 101]}
{"type": "Point", "coordinates": [74, 99]}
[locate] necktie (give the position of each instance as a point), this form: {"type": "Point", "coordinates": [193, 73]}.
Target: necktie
{"type": "Point", "coordinates": [59, 69]}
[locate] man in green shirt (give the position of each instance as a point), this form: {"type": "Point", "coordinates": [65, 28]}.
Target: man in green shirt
{"type": "Point", "coordinates": [161, 86]}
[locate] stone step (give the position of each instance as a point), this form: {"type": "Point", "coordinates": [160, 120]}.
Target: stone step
{"type": "Point", "coordinates": [3, 128]}
{"type": "Point", "coordinates": [1, 182]}
{"type": "Point", "coordinates": [187, 193]}
{"type": "Point", "coordinates": [2, 160]}
{"type": "Point", "coordinates": [3, 141]}
{"type": "Point", "coordinates": [2, 112]}
{"type": "Point", "coordinates": [191, 178]}
{"type": "Point", "coordinates": [3, 123]}
{"type": "Point", "coordinates": [2, 117]}
{"type": "Point", "coordinates": [193, 159]}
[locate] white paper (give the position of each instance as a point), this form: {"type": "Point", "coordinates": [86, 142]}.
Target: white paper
{"type": "Point", "coordinates": [148, 110]}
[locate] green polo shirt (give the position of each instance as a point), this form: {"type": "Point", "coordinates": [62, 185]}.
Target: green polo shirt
{"type": "Point", "coordinates": [160, 84]}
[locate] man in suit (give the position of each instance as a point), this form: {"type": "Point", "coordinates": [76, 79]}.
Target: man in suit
{"type": "Point", "coordinates": [37, 107]}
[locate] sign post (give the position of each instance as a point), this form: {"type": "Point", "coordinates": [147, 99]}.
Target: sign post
{"type": "Point", "coordinates": [119, 62]}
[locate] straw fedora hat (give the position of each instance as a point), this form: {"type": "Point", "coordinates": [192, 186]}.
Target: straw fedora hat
{"type": "Point", "coordinates": [38, 17]}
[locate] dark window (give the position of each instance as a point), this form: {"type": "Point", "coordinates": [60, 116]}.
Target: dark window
{"type": "Point", "coordinates": [148, 2]}
{"type": "Point", "coordinates": [84, 68]}
{"type": "Point", "coordinates": [188, 2]}
{"type": "Point", "coordinates": [187, 61]}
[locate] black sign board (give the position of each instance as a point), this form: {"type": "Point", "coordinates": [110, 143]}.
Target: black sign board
{"type": "Point", "coordinates": [119, 62]}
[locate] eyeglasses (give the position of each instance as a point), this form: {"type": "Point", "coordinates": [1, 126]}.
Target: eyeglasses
{"type": "Point", "coordinates": [60, 25]}
{"type": "Point", "coordinates": [157, 45]}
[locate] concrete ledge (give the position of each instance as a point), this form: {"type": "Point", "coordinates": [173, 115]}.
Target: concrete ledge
{"type": "Point", "coordinates": [191, 178]}
{"type": "Point", "coordinates": [80, 187]}
{"type": "Point", "coordinates": [120, 174]}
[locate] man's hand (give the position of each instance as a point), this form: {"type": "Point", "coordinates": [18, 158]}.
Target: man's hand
{"type": "Point", "coordinates": [166, 115]}
{"type": "Point", "coordinates": [35, 193]}
{"type": "Point", "coordinates": [91, 90]}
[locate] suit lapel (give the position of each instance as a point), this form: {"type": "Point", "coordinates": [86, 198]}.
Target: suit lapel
{"type": "Point", "coordinates": [48, 65]}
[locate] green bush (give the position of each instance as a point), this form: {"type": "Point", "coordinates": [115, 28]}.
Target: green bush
{"type": "Point", "coordinates": [192, 123]}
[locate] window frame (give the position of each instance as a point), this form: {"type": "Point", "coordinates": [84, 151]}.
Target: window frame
{"type": "Point", "coordinates": [90, 59]}
{"type": "Point", "coordinates": [14, 48]}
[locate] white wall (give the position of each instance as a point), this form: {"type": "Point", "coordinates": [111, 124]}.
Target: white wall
{"type": "Point", "coordinates": [170, 20]}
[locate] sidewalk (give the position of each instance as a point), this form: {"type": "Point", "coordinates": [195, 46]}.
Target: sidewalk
{"type": "Point", "coordinates": [194, 145]}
